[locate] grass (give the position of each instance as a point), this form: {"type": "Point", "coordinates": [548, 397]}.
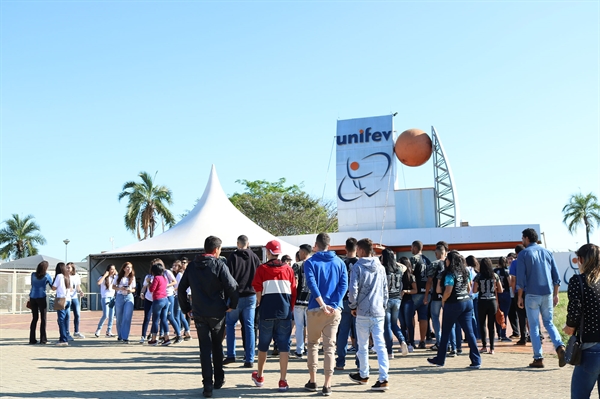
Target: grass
{"type": "Point", "coordinates": [560, 315]}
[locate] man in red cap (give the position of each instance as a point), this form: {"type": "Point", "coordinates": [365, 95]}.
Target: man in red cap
{"type": "Point", "coordinates": [275, 287]}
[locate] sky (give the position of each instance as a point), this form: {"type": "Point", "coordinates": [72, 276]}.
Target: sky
{"type": "Point", "coordinates": [94, 92]}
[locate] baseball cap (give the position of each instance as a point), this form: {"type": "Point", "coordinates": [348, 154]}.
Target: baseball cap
{"type": "Point", "coordinates": [274, 247]}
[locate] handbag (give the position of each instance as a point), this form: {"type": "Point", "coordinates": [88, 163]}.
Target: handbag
{"type": "Point", "coordinates": [112, 302]}
{"type": "Point", "coordinates": [28, 304]}
{"type": "Point", "coordinates": [500, 319]}
{"type": "Point", "coordinates": [573, 350]}
{"type": "Point", "coordinates": [59, 303]}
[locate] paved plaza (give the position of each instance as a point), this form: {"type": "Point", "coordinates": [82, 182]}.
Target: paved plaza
{"type": "Point", "coordinates": [104, 368]}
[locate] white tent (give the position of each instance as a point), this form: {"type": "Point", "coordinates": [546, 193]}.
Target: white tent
{"type": "Point", "coordinates": [213, 215]}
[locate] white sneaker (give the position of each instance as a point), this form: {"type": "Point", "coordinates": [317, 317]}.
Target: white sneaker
{"type": "Point", "coordinates": [410, 349]}
{"type": "Point", "coordinates": [97, 333]}
{"type": "Point", "coordinates": [142, 340]}
{"type": "Point", "coordinates": [404, 349]}
{"type": "Point", "coordinates": [390, 355]}
{"type": "Point", "coordinates": [79, 335]}
{"type": "Point", "coordinates": [62, 344]}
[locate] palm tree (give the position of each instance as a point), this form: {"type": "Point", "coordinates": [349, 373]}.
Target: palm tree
{"type": "Point", "coordinates": [147, 203]}
{"type": "Point", "coordinates": [19, 237]}
{"type": "Point", "coordinates": [582, 209]}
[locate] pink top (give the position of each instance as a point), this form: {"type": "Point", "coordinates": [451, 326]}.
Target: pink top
{"type": "Point", "coordinates": [158, 288]}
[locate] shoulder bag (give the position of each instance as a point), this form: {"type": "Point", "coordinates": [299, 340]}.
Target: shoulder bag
{"type": "Point", "coordinates": [59, 303]}
{"type": "Point", "coordinates": [573, 350]}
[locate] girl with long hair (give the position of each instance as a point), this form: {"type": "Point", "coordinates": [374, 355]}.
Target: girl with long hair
{"type": "Point", "coordinates": [75, 303]}
{"type": "Point", "coordinates": [124, 284]}
{"type": "Point", "coordinates": [37, 300]}
{"type": "Point", "coordinates": [147, 295]}
{"type": "Point", "coordinates": [178, 269]}
{"type": "Point", "coordinates": [62, 286]}
{"type": "Point", "coordinates": [458, 306]}
{"type": "Point", "coordinates": [487, 284]}
{"type": "Point", "coordinates": [587, 373]}
{"type": "Point", "coordinates": [504, 299]}
{"type": "Point", "coordinates": [160, 303]}
{"type": "Point", "coordinates": [107, 292]}
{"type": "Point", "coordinates": [407, 306]}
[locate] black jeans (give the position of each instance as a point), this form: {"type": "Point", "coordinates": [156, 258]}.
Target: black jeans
{"type": "Point", "coordinates": [513, 317]}
{"type": "Point", "coordinates": [211, 331]}
{"type": "Point", "coordinates": [38, 307]}
{"type": "Point", "coordinates": [487, 308]}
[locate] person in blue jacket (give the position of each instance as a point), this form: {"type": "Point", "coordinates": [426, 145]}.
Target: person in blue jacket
{"type": "Point", "coordinates": [37, 301]}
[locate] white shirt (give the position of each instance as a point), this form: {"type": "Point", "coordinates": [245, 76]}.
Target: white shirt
{"type": "Point", "coordinates": [61, 290]}
{"type": "Point", "coordinates": [148, 294]}
{"type": "Point", "coordinates": [170, 278]}
{"type": "Point", "coordinates": [75, 282]}
{"type": "Point", "coordinates": [123, 284]}
{"type": "Point", "coordinates": [106, 292]}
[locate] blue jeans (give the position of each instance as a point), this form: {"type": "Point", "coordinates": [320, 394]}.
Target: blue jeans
{"type": "Point", "coordinates": [160, 308]}
{"type": "Point", "coordinates": [463, 313]}
{"type": "Point", "coordinates": [180, 317]}
{"type": "Point", "coordinates": [436, 307]}
{"type": "Point", "coordinates": [390, 324]}
{"type": "Point", "coordinates": [107, 312]}
{"type": "Point", "coordinates": [76, 308]}
{"type": "Point", "coordinates": [586, 374]}
{"type": "Point", "coordinates": [420, 307]}
{"type": "Point", "coordinates": [347, 323]}
{"type": "Point", "coordinates": [171, 315]}
{"type": "Point", "coordinates": [364, 327]}
{"type": "Point", "coordinates": [536, 304]}
{"type": "Point", "coordinates": [407, 311]}
{"type": "Point", "coordinates": [247, 308]}
{"type": "Point", "coordinates": [63, 322]}
{"type": "Point", "coordinates": [124, 310]}
{"type": "Point", "coordinates": [279, 330]}
{"type": "Point", "coordinates": [147, 314]}
{"type": "Point", "coordinates": [504, 304]}
{"type": "Point", "coordinates": [476, 316]}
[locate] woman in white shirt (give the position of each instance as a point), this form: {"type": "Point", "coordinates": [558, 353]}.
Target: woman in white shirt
{"type": "Point", "coordinates": [75, 304]}
{"type": "Point", "coordinates": [125, 287]}
{"type": "Point", "coordinates": [179, 316]}
{"type": "Point", "coordinates": [147, 295]}
{"type": "Point", "coordinates": [107, 292]}
{"type": "Point", "coordinates": [171, 298]}
{"type": "Point", "coordinates": [62, 286]}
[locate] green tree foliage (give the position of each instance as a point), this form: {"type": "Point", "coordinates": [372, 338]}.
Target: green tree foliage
{"type": "Point", "coordinates": [147, 203]}
{"type": "Point", "coordinates": [284, 210]}
{"type": "Point", "coordinates": [19, 237]}
{"type": "Point", "coordinates": [582, 209]}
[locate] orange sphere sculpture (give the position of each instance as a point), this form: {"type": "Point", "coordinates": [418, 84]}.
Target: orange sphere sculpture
{"type": "Point", "coordinates": [413, 147]}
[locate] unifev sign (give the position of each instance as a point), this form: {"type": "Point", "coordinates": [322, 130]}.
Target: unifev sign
{"type": "Point", "coordinates": [365, 173]}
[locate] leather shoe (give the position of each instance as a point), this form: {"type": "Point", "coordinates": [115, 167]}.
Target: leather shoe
{"type": "Point", "coordinates": [560, 352]}
{"type": "Point", "coordinates": [219, 384]}
{"type": "Point", "coordinates": [537, 364]}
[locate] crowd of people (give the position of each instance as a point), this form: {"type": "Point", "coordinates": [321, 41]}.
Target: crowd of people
{"type": "Point", "coordinates": [364, 299]}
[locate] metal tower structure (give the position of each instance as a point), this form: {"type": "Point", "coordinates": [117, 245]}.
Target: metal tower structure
{"type": "Point", "coordinates": [446, 199]}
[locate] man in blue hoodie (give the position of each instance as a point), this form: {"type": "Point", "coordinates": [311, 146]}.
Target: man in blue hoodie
{"type": "Point", "coordinates": [327, 281]}
{"type": "Point", "coordinates": [368, 297]}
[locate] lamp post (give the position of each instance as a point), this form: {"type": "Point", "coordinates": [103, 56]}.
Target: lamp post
{"type": "Point", "coordinates": [66, 243]}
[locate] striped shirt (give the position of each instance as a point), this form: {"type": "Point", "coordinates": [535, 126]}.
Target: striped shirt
{"type": "Point", "coordinates": [276, 282]}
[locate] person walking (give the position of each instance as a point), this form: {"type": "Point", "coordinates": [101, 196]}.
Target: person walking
{"type": "Point", "coordinates": [125, 287]}
{"type": "Point", "coordinates": [421, 267]}
{"type": "Point", "coordinates": [585, 309]}
{"type": "Point", "coordinates": [327, 281]}
{"type": "Point", "coordinates": [368, 296]}
{"type": "Point", "coordinates": [37, 301]}
{"type": "Point", "coordinates": [107, 294]}
{"type": "Point", "coordinates": [537, 275]}
{"type": "Point", "coordinates": [487, 284]}
{"type": "Point", "coordinates": [302, 296]}
{"type": "Point", "coordinates": [212, 286]}
{"type": "Point", "coordinates": [391, 327]}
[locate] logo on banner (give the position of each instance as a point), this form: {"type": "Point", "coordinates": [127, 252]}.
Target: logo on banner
{"type": "Point", "coordinates": [355, 175]}
{"type": "Point", "coordinates": [364, 136]}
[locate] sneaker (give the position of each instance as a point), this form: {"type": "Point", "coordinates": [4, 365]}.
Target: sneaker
{"type": "Point", "coordinates": [355, 377]}
{"type": "Point", "coordinates": [228, 360]}
{"type": "Point", "coordinates": [459, 352]}
{"type": "Point", "coordinates": [380, 386]}
{"type": "Point", "coordinates": [528, 339]}
{"type": "Point", "coordinates": [275, 352]}
{"type": "Point", "coordinates": [474, 366]}
{"type": "Point", "coordinates": [339, 368]}
{"type": "Point", "coordinates": [433, 362]}
{"type": "Point", "coordinates": [433, 347]}
{"type": "Point", "coordinates": [299, 355]}
{"type": "Point", "coordinates": [153, 342]}
{"type": "Point", "coordinates": [506, 339]}
{"type": "Point", "coordinates": [372, 351]}
{"type": "Point", "coordinates": [207, 393]}
{"type": "Point", "coordinates": [491, 352]}
{"type": "Point", "coordinates": [142, 340]}
{"type": "Point", "coordinates": [97, 334]}
{"type": "Point", "coordinates": [178, 339]}
{"type": "Point", "coordinates": [311, 386]}
{"type": "Point", "coordinates": [70, 338]}
{"type": "Point", "coordinates": [109, 335]}
{"type": "Point", "coordinates": [187, 336]}
{"type": "Point", "coordinates": [403, 348]}
{"type": "Point", "coordinates": [421, 345]}
{"type": "Point", "coordinates": [248, 365]}
{"type": "Point", "coordinates": [283, 386]}
{"type": "Point", "coordinates": [560, 352]}
{"type": "Point", "coordinates": [411, 349]}
{"type": "Point", "coordinates": [62, 344]}
{"type": "Point", "coordinates": [126, 341]}
{"type": "Point", "coordinates": [79, 335]}
{"type": "Point", "coordinates": [219, 384]}
{"type": "Point", "coordinates": [326, 391]}
{"type": "Point", "coordinates": [166, 342]}
{"type": "Point", "coordinates": [390, 355]}
{"type": "Point", "coordinates": [515, 336]}
{"type": "Point", "coordinates": [521, 342]}
{"type": "Point", "coordinates": [258, 381]}
{"type": "Point", "coordinates": [451, 354]}
{"type": "Point", "coordinates": [537, 364]}
{"type": "Point", "coordinates": [161, 340]}
{"type": "Point", "coordinates": [351, 350]}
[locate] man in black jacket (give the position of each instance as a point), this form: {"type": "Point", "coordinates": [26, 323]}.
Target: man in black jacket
{"type": "Point", "coordinates": [212, 287]}
{"type": "Point", "coordinates": [242, 265]}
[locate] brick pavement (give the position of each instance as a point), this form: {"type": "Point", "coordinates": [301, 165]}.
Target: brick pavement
{"type": "Point", "coordinates": [104, 368]}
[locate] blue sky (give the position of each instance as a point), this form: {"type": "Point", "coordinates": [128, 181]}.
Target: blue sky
{"type": "Point", "coordinates": [92, 93]}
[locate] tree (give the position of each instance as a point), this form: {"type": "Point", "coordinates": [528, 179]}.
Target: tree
{"type": "Point", "coordinates": [284, 210]}
{"type": "Point", "coordinates": [582, 209]}
{"type": "Point", "coordinates": [19, 237]}
{"type": "Point", "coordinates": [147, 203]}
